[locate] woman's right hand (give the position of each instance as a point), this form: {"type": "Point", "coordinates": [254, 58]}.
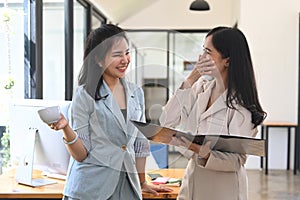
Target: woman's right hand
{"type": "Point", "coordinates": [204, 66]}
{"type": "Point", "coordinates": [60, 124]}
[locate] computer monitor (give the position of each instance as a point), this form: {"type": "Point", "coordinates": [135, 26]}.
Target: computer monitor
{"type": "Point", "coordinates": [50, 154]}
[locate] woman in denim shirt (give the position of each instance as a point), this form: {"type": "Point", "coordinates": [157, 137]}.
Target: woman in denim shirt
{"type": "Point", "coordinates": [108, 153]}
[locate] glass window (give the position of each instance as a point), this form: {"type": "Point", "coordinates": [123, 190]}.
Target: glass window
{"type": "Point", "coordinates": [97, 19]}
{"type": "Point", "coordinates": [95, 22]}
{"type": "Point", "coordinates": [159, 65]}
{"type": "Point", "coordinates": [79, 16]}
{"type": "Point", "coordinates": [53, 50]}
{"type": "Point", "coordinates": [157, 50]}
{"type": "Point", "coordinates": [153, 47]}
{"type": "Point", "coordinates": [11, 56]}
{"type": "Point", "coordinates": [185, 50]}
{"type": "Point", "coordinates": [151, 67]}
{"type": "Point", "coordinates": [11, 69]}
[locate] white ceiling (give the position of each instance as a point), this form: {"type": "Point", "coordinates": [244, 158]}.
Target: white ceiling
{"type": "Point", "coordinates": [173, 14]}
{"type": "Point", "coordinates": [119, 10]}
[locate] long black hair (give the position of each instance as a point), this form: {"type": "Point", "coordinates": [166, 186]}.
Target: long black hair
{"type": "Point", "coordinates": [98, 44]}
{"type": "Point", "coordinates": [231, 43]}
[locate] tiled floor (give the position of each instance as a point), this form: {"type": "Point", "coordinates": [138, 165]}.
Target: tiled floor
{"type": "Point", "coordinates": [277, 185]}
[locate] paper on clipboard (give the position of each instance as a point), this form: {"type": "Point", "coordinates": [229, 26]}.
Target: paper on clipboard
{"type": "Point", "coordinates": [226, 143]}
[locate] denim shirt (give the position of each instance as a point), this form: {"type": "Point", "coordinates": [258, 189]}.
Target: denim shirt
{"type": "Point", "coordinates": [113, 143]}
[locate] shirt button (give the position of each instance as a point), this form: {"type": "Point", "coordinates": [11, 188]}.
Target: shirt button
{"type": "Point", "coordinates": [123, 147]}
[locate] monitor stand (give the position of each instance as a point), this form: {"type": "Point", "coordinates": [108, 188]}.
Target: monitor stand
{"type": "Point", "coordinates": [25, 168]}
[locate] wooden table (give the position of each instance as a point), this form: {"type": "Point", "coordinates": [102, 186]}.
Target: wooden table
{"type": "Point", "coordinates": [172, 173]}
{"type": "Point", "coordinates": [10, 189]}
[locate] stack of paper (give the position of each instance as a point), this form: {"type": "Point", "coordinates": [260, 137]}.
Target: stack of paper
{"type": "Point", "coordinates": [166, 181]}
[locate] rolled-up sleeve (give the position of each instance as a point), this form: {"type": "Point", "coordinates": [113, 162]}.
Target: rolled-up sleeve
{"type": "Point", "coordinates": [141, 147]}
{"type": "Point", "coordinates": [86, 139]}
{"type": "Point", "coordinates": [82, 106]}
{"type": "Point", "coordinates": [141, 143]}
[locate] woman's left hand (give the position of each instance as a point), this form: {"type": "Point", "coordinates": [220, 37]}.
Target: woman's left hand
{"type": "Point", "coordinates": [154, 189]}
{"type": "Point", "coordinates": [202, 150]}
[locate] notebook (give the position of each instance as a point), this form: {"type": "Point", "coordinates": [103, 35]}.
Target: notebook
{"type": "Point", "coordinates": [226, 143]}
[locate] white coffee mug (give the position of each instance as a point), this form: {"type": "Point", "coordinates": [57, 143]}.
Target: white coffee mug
{"type": "Point", "coordinates": [49, 115]}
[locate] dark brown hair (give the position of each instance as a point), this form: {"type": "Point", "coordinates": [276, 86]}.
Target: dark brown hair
{"type": "Point", "coordinates": [98, 44]}
{"type": "Point", "coordinates": [231, 43]}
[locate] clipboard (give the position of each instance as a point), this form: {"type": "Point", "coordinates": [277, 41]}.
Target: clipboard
{"type": "Point", "coordinates": [225, 143]}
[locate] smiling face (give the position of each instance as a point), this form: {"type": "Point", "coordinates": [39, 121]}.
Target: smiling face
{"type": "Point", "coordinates": [116, 60]}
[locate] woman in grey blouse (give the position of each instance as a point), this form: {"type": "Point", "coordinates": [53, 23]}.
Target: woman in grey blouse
{"type": "Point", "coordinates": [108, 153]}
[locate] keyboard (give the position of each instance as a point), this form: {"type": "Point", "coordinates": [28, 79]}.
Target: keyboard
{"type": "Point", "coordinates": [56, 176]}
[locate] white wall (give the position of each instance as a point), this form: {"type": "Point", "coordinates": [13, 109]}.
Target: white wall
{"type": "Point", "coordinates": [273, 38]}
{"type": "Point", "coordinates": [271, 28]}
